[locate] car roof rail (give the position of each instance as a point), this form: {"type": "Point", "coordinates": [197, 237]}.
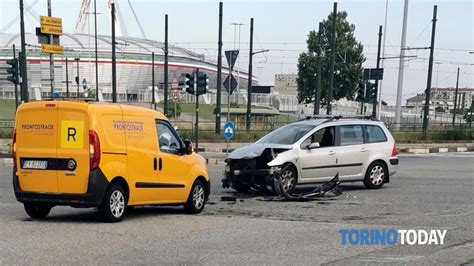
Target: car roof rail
{"type": "Point", "coordinates": [338, 117]}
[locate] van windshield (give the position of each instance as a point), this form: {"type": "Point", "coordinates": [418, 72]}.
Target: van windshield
{"type": "Point", "coordinates": [288, 134]}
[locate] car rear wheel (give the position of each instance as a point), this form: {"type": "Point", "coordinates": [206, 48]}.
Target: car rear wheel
{"type": "Point", "coordinates": [196, 199]}
{"type": "Point", "coordinates": [37, 211]}
{"type": "Point", "coordinates": [115, 204]}
{"type": "Point", "coordinates": [375, 176]}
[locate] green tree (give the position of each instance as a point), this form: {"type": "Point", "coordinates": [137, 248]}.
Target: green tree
{"type": "Point", "coordinates": [348, 63]}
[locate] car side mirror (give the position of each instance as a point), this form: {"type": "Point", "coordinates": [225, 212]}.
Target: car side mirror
{"type": "Point", "coordinates": [188, 147]}
{"type": "Point", "coordinates": [313, 145]}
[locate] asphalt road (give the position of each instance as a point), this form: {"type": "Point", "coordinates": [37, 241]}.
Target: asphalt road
{"type": "Point", "coordinates": [429, 192]}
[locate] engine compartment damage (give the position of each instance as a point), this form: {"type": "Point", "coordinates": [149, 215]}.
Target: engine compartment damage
{"type": "Point", "coordinates": [248, 170]}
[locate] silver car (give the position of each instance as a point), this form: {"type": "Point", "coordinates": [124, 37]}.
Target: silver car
{"type": "Point", "coordinates": [315, 149]}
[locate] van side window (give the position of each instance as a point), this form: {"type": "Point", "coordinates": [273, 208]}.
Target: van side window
{"type": "Point", "coordinates": [324, 136]}
{"type": "Point", "coordinates": [167, 138]}
{"type": "Point", "coordinates": [375, 134]}
{"type": "Point", "coordinates": [351, 135]}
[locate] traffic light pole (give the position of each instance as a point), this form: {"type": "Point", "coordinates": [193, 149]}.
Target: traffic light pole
{"type": "Point", "coordinates": [51, 59]}
{"type": "Point", "coordinates": [219, 73]}
{"type": "Point", "coordinates": [197, 109]}
{"type": "Point", "coordinates": [333, 59]}
{"type": "Point", "coordinates": [376, 95]}
{"type": "Point", "coordinates": [16, 83]}
{"type": "Point", "coordinates": [249, 92]}
{"type": "Point", "coordinates": [23, 66]}
{"type": "Point", "coordinates": [317, 97]}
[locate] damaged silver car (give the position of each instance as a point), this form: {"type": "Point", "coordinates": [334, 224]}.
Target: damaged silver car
{"type": "Point", "coordinates": [315, 150]}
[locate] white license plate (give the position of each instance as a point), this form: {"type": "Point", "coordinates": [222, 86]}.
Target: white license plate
{"type": "Point", "coordinates": [35, 164]}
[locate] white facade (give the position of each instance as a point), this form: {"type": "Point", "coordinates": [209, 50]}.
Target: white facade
{"type": "Point", "coordinates": [286, 84]}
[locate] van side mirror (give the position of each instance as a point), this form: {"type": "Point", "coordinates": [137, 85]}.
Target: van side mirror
{"type": "Point", "coordinates": [188, 147]}
{"type": "Point", "coordinates": [313, 145]}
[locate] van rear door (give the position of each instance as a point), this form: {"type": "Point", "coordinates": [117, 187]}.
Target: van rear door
{"type": "Point", "coordinates": [72, 147]}
{"type": "Point", "coordinates": [36, 134]}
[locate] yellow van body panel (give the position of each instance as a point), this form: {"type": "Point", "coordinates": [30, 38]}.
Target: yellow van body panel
{"type": "Point", "coordinates": [58, 132]}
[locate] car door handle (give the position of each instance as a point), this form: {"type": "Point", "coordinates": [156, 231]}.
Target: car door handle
{"type": "Point", "coordinates": [331, 153]}
{"type": "Point", "coordinates": [363, 150]}
{"type": "Point", "coordinates": [160, 165]}
{"type": "Point", "coordinates": [155, 164]}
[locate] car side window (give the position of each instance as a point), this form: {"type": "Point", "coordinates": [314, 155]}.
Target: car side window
{"type": "Point", "coordinates": [324, 136]}
{"type": "Point", "coordinates": [375, 134]}
{"type": "Point", "coordinates": [167, 138]}
{"type": "Point", "coordinates": [351, 135]}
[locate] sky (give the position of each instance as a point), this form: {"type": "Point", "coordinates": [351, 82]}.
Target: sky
{"type": "Point", "coordinates": [283, 26]}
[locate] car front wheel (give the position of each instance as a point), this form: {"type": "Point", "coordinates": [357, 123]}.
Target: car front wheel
{"type": "Point", "coordinates": [375, 176]}
{"type": "Point", "coordinates": [196, 199]}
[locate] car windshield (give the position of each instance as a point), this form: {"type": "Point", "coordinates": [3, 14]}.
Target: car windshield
{"type": "Point", "coordinates": [288, 134]}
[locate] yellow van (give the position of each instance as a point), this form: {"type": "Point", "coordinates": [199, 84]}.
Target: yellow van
{"type": "Point", "coordinates": [107, 156]}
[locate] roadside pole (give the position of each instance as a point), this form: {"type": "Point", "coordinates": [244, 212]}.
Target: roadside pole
{"type": "Point", "coordinates": [456, 99]}
{"type": "Point", "coordinates": [197, 110]}
{"type": "Point", "coordinates": [51, 59]}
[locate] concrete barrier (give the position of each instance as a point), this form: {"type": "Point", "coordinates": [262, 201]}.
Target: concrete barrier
{"type": "Point", "coordinates": [419, 151]}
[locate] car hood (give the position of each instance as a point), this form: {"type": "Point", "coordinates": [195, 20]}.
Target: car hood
{"type": "Point", "coordinates": [255, 150]}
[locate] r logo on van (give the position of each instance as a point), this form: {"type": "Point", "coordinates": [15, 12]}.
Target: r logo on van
{"type": "Point", "coordinates": [72, 134]}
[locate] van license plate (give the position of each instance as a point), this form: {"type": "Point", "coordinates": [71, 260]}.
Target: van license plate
{"type": "Point", "coordinates": [35, 164]}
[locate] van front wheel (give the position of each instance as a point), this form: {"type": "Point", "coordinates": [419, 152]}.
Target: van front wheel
{"type": "Point", "coordinates": [115, 204]}
{"type": "Point", "coordinates": [37, 211]}
{"type": "Point", "coordinates": [196, 198]}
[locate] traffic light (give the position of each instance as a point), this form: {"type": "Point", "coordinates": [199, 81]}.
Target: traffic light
{"type": "Point", "coordinates": [360, 96]}
{"type": "Point", "coordinates": [202, 83]}
{"type": "Point", "coordinates": [13, 70]}
{"type": "Point", "coordinates": [189, 83]}
{"type": "Point", "coordinates": [371, 91]}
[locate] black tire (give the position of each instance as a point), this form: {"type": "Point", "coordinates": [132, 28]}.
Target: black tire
{"type": "Point", "coordinates": [114, 207]}
{"type": "Point", "coordinates": [289, 178]}
{"type": "Point", "coordinates": [376, 175]}
{"type": "Point", "coordinates": [37, 211]}
{"type": "Point", "coordinates": [196, 199]}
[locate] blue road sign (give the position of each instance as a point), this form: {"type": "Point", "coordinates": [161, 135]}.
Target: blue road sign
{"type": "Point", "coordinates": [228, 130]}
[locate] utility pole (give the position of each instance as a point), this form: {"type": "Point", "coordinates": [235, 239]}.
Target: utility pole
{"type": "Point", "coordinates": [51, 60]}
{"type": "Point", "coordinates": [67, 79]}
{"type": "Point", "coordinates": [333, 58]}
{"type": "Point", "coordinates": [249, 88]}
{"type": "Point", "coordinates": [114, 66]}
{"type": "Point", "coordinates": [430, 73]}
{"type": "Point", "coordinates": [456, 99]}
{"type": "Point", "coordinates": [317, 97]}
{"type": "Point", "coordinates": [165, 78]}
{"type": "Point", "coordinates": [96, 57]}
{"type": "Point", "coordinates": [22, 57]}
{"type": "Point", "coordinates": [401, 65]}
{"type": "Point", "coordinates": [153, 101]}
{"type": "Point", "coordinates": [219, 72]}
{"type": "Point", "coordinates": [376, 96]}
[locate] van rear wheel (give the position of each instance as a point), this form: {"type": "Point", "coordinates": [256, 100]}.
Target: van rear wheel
{"type": "Point", "coordinates": [37, 211]}
{"type": "Point", "coordinates": [196, 199]}
{"type": "Point", "coordinates": [115, 204]}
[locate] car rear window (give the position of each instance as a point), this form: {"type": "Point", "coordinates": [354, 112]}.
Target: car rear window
{"type": "Point", "coordinates": [351, 135]}
{"type": "Point", "coordinates": [375, 134]}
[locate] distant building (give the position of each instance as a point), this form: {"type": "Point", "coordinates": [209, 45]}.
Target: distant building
{"type": "Point", "coordinates": [286, 84]}
{"type": "Point", "coordinates": [444, 98]}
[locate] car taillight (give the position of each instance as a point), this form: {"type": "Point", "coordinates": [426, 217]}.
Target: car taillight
{"type": "Point", "coordinates": [94, 149]}
{"type": "Point", "coordinates": [14, 149]}
{"type": "Point", "coordinates": [394, 151]}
